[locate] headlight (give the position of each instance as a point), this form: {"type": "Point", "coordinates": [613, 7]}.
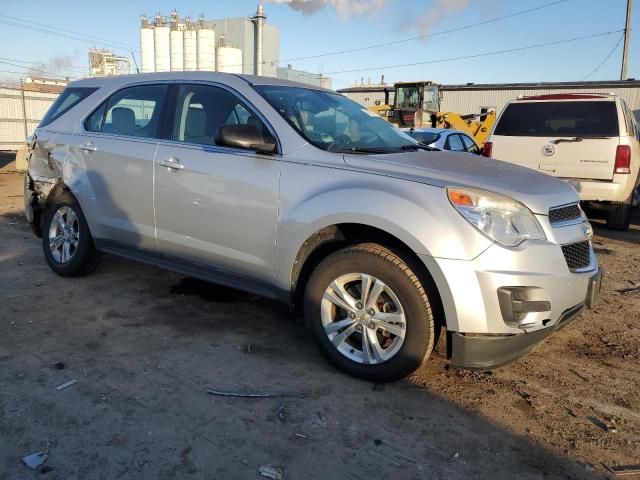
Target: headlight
{"type": "Point", "coordinates": [500, 218]}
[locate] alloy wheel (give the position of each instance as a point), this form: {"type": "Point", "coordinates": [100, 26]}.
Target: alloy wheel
{"type": "Point", "coordinates": [363, 318]}
{"type": "Point", "coordinates": [64, 234]}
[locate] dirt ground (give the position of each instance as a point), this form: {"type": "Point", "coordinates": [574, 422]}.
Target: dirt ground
{"type": "Point", "coordinates": [145, 345]}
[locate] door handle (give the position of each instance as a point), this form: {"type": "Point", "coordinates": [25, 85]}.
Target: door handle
{"type": "Point", "coordinates": [88, 147]}
{"type": "Point", "coordinates": [172, 163]}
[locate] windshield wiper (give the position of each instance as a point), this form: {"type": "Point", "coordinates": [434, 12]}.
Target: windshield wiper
{"type": "Point", "coordinates": [360, 150]}
{"type": "Point", "coordinates": [419, 146]}
{"type": "Point", "coordinates": [575, 139]}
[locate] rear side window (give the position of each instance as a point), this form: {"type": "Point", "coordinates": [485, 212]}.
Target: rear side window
{"type": "Point", "coordinates": [132, 111]}
{"type": "Point", "coordinates": [68, 99]}
{"type": "Point", "coordinates": [469, 145]}
{"type": "Point", "coordinates": [562, 119]}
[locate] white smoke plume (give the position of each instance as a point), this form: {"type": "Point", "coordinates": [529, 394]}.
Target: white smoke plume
{"type": "Point", "coordinates": [345, 8]}
{"type": "Point", "coordinates": [438, 10]}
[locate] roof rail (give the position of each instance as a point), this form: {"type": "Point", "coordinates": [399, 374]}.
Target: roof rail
{"type": "Point", "coordinates": [566, 96]}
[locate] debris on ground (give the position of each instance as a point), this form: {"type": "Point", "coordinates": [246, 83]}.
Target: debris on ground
{"type": "Point", "coordinates": [270, 471]}
{"type": "Point", "coordinates": [624, 291]}
{"type": "Point", "coordinates": [280, 413]}
{"type": "Point", "coordinates": [610, 427]}
{"type": "Point", "coordinates": [624, 470]}
{"type": "Point", "coordinates": [58, 365]}
{"type": "Point", "coordinates": [255, 395]}
{"type": "Point", "coordinates": [66, 384]}
{"type": "Point", "coordinates": [579, 375]}
{"type": "Point", "coordinates": [34, 460]}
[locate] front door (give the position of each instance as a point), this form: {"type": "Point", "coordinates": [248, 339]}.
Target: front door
{"type": "Point", "coordinates": [216, 205]}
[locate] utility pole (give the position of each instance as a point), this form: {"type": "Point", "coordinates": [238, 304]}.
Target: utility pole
{"type": "Point", "coordinates": [627, 33]}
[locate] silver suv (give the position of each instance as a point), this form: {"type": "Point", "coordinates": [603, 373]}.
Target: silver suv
{"type": "Point", "coordinates": [299, 194]}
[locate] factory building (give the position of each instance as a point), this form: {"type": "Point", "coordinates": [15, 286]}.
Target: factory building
{"type": "Point", "coordinates": [315, 79]}
{"type": "Point", "coordinates": [233, 45]}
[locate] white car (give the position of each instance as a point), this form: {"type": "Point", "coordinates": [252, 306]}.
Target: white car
{"type": "Point", "coordinates": [590, 140]}
{"type": "Point", "coordinates": [444, 139]}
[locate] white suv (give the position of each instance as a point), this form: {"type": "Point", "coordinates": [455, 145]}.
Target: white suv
{"type": "Point", "coordinates": [590, 140]}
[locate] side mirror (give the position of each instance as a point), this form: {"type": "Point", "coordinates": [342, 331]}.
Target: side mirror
{"type": "Point", "coordinates": [249, 137]}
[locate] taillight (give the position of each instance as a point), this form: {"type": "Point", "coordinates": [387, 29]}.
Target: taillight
{"type": "Point", "coordinates": [486, 149]}
{"type": "Point", "coordinates": [623, 159]}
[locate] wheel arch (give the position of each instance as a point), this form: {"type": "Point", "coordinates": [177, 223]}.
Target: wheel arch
{"type": "Point", "coordinates": [331, 238]}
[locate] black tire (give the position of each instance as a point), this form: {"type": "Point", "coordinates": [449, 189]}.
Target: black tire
{"type": "Point", "coordinates": [635, 198]}
{"type": "Point", "coordinates": [84, 258]}
{"type": "Point", "coordinates": [619, 216]}
{"type": "Point", "coordinates": [382, 263]}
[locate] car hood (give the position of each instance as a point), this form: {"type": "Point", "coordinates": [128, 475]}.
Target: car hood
{"type": "Point", "coordinates": [536, 190]}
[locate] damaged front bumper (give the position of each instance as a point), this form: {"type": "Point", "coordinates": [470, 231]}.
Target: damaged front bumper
{"type": "Point", "coordinates": [486, 351]}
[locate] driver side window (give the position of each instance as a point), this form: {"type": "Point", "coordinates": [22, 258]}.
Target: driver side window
{"type": "Point", "coordinates": [202, 110]}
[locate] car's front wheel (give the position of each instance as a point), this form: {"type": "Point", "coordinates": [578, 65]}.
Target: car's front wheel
{"type": "Point", "coordinates": [369, 313]}
{"type": "Point", "coordinates": [66, 240]}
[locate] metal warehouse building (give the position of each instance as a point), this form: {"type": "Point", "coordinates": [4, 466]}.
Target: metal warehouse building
{"type": "Point", "coordinates": [370, 95]}
{"type": "Point", "coordinates": [472, 98]}
{"type": "Point", "coordinates": [478, 98]}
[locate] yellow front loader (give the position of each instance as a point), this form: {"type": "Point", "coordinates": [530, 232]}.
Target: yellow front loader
{"type": "Point", "coordinates": [477, 126]}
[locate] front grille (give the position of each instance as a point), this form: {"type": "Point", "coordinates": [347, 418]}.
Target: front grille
{"type": "Point", "coordinates": [577, 255]}
{"type": "Point", "coordinates": [564, 214]}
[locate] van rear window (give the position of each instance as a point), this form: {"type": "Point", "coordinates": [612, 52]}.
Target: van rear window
{"type": "Point", "coordinates": [69, 98]}
{"type": "Point", "coordinates": [559, 119]}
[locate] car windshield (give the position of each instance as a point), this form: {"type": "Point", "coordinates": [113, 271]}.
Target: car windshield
{"type": "Point", "coordinates": [334, 123]}
{"type": "Point", "coordinates": [425, 137]}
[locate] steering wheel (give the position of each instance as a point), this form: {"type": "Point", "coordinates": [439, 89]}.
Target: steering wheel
{"type": "Point", "coordinates": [343, 140]}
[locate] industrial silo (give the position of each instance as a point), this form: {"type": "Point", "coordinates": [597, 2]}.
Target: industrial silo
{"type": "Point", "coordinates": [162, 40]}
{"type": "Point", "coordinates": [206, 47]}
{"type": "Point", "coordinates": [177, 43]}
{"type": "Point", "coordinates": [228, 59]}
{"type": "Point", "coordinates": [190, 42]}
{"type": "Point", "coordinates": [147, 51]}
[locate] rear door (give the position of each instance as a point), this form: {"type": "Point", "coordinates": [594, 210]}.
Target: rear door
{"type": "Point", "coordinates": [115, 150]}
{"type": "Point", "coordinates": [568, 139]}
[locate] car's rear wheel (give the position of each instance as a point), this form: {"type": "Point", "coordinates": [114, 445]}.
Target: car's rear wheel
{"type": "Point", "coordinates": [66, 240]}
{"type": "Point", "coordinates": [369, 313]}
{"type": "Point", "coordinates": [620, 215]}
{"type": "Point", "coordinates": [635, 199]}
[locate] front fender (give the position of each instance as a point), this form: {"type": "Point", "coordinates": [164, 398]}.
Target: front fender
{"type": "Point", "coordinates": [418, 215]}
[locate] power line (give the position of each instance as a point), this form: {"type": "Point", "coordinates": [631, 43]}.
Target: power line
{"type": "Point", "coordinates": [477, 55]}
{"type": "Point", "coordinates": [615, 47]}
{"type": "Point", "coordinates": [77, 37]}
{"type": "Point", "coordinates": [435, 34]}
{"type": "Point", "coordinates": [41, 64]}
{"type": "Point", "coordinates": [37, 70]}
{"type": "Point", "coordinates": [49, 27]}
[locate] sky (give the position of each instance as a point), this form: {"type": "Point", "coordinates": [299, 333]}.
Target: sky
{"type": "Point", "coordinates": [317, 27]}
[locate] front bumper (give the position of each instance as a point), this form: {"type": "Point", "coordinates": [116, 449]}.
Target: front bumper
{"type": "Point", "coordinates": [485, 352]}
{"type": "Point", "coordinates": [534, 280]}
